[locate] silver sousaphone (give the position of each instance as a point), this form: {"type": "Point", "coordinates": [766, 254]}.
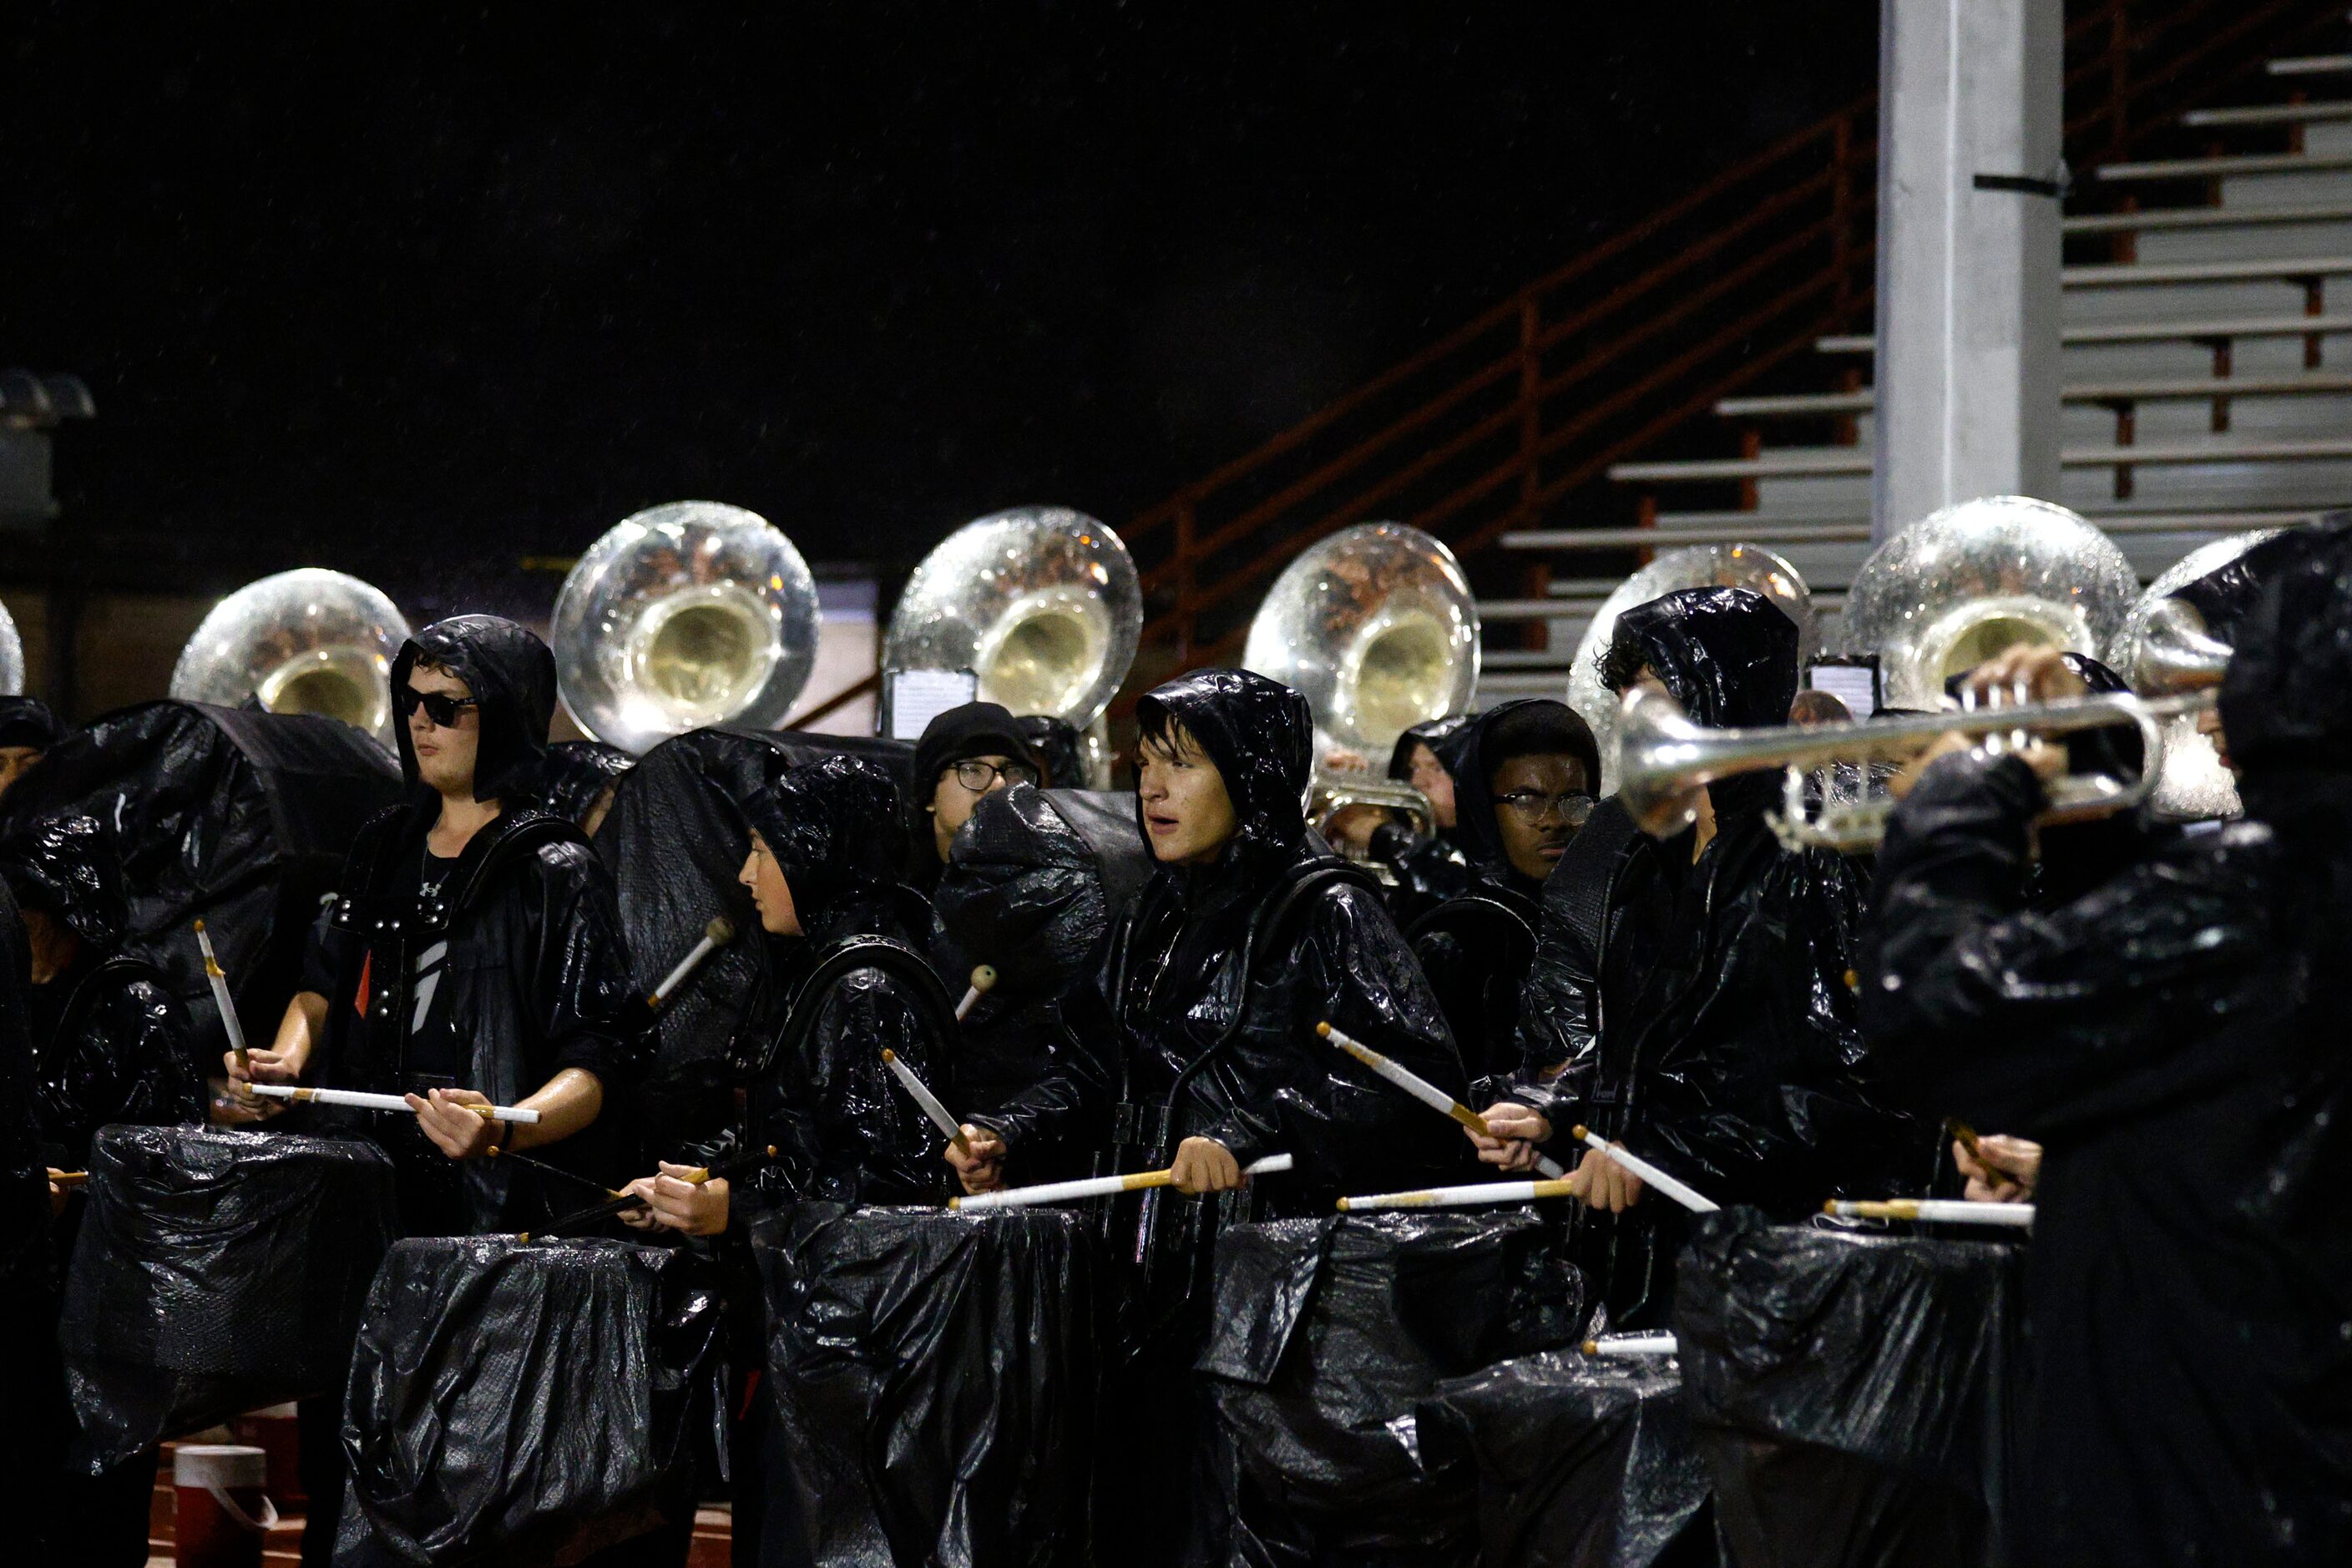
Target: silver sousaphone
{"type": "Point", "coordinates": [1748, 566]}
{"type": "Point", "coordinates": [1376, 627]}
{"type": "Point", "coordinates": [306, 641]}
{"type": "Point", "coordinates": [683, 616]}
{"type": "Point", "coordinates": [1042, 604]}
{"type": "Point", "coordinates": [2164, 648]}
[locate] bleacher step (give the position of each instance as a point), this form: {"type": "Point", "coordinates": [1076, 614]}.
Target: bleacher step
{"type": "Point", "coordinates": [2230, 164]}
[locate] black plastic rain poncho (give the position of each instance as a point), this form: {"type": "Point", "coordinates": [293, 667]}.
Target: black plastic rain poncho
{"type": "Point", "coordinates": [28, 1380]}
{"type": "Point", "coordinates": [856, 982]}
{"type": "Point", "coordinates": [577, 776]}
{"type": "Point", "coordinates": [1430, 871]}
{"type": "Point", "coordinates": [1201, 1022]}
{"type": "Point", "coordinates": [1725, 1043]}
{"type": "Point", "coordinates": [1034, 879]}
{"type": "Point", "coordinates": [243, 818]}
{"type": "Point", "coordinates": [675, 839]}
{"type": "Point", "coordinates": [2175, 1040]}
{"type": "Point", "coordinates": [536, 977]}
{"type": "Point", "coordinates": [110, 1041]}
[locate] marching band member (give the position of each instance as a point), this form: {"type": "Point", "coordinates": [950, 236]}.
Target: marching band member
{"type": "Point", "coordinates": [1716, 1036]}
{"type": "Point", "coordinates": [474, 958]}
{"type": "Point", "coordinates": [27, 730]}
{"type": "Point", "coordinates": [577, 781]}
{"type": "Point", "coordinates": [1523, 786]}
{"type": "Point", "coordinates": [965, 754]}
{"type": "Point", "coordinates": [2173, 1039]}
{"type": "Point", "coordinates": [1202, 1017]}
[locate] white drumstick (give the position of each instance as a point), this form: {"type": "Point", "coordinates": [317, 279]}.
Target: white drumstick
{"type": "Point", "coordinates": [1632, 1345]}
{"type": "Point", "coordinates": [1470, 1196]}
{"type": "Point", "coordinates": [1095, 1187]}
{"type": "Point", "coordinates": [1942, 1211]}
{"type": "Point", "coordinates": [938, 1113]}
{"type": "Point", "coordinates": [983, 980]}
{"type": "Point", "coordinates": [1680, 1192]}
{"type": "Point", "coordinates": [364, 1102]}
{"type": "Point", "coordinates": [716, 935]}
{"type": "Point", "coordinates": [219, 982]}
{"type": "Point", "coordinates": [1422, 1089]}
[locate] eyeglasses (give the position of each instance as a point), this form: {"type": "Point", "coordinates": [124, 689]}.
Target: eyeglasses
{"type": "Point", "coordinates": [439, 706]}
{"type": "Point", "coordinates": [979, 776]}
{"type": "Point", "coordinates": [1532, 805]}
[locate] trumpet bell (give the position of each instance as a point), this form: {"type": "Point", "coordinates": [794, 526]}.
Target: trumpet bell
{"type": "Point", "coordinates": [1041, 603]}
{"type": "Point", "coordinates": [1376, 627]}
{"type": "Point", "coordinates": [1976, 579]}
{"type": "Point", "coordinates": [306, 641]}
{"type": "Point", "coordinates": [1746, 566]}
{"type": "Point", "coordinates": [680, 617]}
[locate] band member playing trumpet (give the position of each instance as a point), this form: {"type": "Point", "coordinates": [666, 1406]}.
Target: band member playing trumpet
{"type": "Point", "coordinates": [2174, 1040]}
{"type": "Point", "coordinates": [1710, 1025]}
{"type": "Point", "coordinates": [1202, 1021]}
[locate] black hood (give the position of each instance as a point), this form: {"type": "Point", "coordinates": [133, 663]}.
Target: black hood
{"type": "Point", "coordinates": [513, 676]}
{"type": "Point", "coordinates": [576, 772]}
{"type": "Point", "coordinates": [1475, 757]}
{"type": "Point", "coordinates": [2224, 595]}
{"type": "Point", "coordinates": [1728, 655]}
{"type": "Point", "coordinates": [1025, 890]}
{"type": "Point", "coordinates": [2286, 701]}
{"type": "Point", "coordinates": [836, 825]}
{"type": "Point", "coordinates": [27, 721]}
{"type": "Point", "coordinates": [1058, 749]}
{"type": "Point", "coordinates": [1437, 735]}
{"type": "Point", "coordinates": [69, 868]}
{"type": "Point", "coordinates": [1261, 736]}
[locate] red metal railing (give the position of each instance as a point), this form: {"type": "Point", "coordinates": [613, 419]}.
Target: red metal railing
{"type": "Point", "coordinates": [1506, 420]}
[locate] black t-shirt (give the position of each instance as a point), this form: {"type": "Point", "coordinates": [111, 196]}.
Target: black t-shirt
{"type": "Point", "coordinates": [433, 1052]}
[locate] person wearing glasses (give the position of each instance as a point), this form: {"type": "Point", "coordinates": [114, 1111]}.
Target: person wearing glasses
{"type": "Point", "coordinates": [966, 753]}
{"type": "Point", "coordinates": [1522, 787]}
{"type": "Point", "coordinates": [1693, 997]}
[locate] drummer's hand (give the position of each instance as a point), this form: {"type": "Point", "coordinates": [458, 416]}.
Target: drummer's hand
{"type": "Point", "coordinates": [1601, 1182]}
{"type": "Point", "coordinates": [2003, 1170]}
{"type": "Point", "coordinates": [458, 1133]}
{"type": "Point", "coordinates": [1517, 1129]}
{"type": "Point", "coordinates": [1205, 1166]}
{"type": "Point", "coordinates": [228, 1104]}
{"type": "Point", "coordinates": [268, 1065]}
{"type": "Point", "coordinates": [641, 1219]}
{"type": "Point", "coordinates": [56, 1197]}
{"type": "Point", "coordinates": [697, 1208]}
{"type": "Point", "coordinates": [982, 1170]}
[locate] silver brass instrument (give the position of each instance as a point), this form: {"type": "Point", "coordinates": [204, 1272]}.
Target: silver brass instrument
{"type": "Point", "coordinates": [1041, 603]}
{"type": "Point", "coordinates": [12, 656]}
{"type": "Point", "coordinates": [1746, 566]}
{"type": "Point", "coordinates": [2165, 646]}
{"type": "Point", "coordinates": [682, 617]}
{"type": "Point", "coordinates": [1665, 760]}
{"type": "Point", "coordinates": [1376, 627]}
{"type": "Point", "coordinates": [306, 641]}
{"type": "Point", "coordinates": [1975, 579]}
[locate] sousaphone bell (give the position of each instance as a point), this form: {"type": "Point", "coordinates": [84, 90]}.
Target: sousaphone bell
{"type": "Point", "coordinates": [306, 641]}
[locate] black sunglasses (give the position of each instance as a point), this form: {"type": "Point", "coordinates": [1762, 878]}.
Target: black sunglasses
{"type": "Point", "coordinates": [439, 706]}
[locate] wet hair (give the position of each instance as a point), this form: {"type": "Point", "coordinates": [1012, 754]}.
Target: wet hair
{"type": "Point", "coordinates": [1156, 726]}
{"type": "Point", "coordinates": [1541, 730]}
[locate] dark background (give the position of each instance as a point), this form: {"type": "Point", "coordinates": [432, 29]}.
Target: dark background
{"type": "Point", "coordinates": [425, 292]}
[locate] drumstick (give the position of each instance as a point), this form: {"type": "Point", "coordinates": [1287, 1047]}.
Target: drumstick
{"type": "Point", "coordinates": [1689, 1197]}
{"type": "Point", "coordinates": [621, 1203]}
{"type": "Point", "coordinates": [219, 982]}
{"type": "Point", "coordinates": [68, 1178]}
{"type": "Point", "coordinates": [363, 1101]}
{"type": "Point", "coordinates": [1941, 1211]}
{"type": "Point", "coordinates": [983, 981]}
{"type": "Point", "coordinates": [716, 935]}
{"type": "Point", "coordinates": [545, 1169]}
{"type": "Point", "coordinates": [1422, 1089]}
{"type": "Point", "coordinates": [927, 1100]}
{"type": "Point", "coordinates": [1097, 1188]}
{"type": "Point", "coordinates": [1965, 1134]}
{"type": "Point", "coordinates": [1632, 1345]}
{"type": "Point", "coordinates": [1469, 1196]}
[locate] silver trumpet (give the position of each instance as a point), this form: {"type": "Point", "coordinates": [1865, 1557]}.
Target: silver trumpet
{"type": "Point", "coordinates": [1663, 760]}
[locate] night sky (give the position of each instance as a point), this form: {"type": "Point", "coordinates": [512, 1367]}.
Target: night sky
{"type": "Point", "coordinates": [355, 283]}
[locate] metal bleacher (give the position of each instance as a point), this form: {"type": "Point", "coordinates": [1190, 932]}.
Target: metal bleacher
{"type": "Point", "coordinates": [2207, 360]}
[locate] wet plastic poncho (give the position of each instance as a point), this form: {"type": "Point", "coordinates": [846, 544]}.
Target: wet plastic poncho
{"type": "Point", "coordinates": [537, 977]}
{"type": "Point", "coordinates": [1328, 1331]}
{"type": "Point", "coordinates": [1033, 882]}
{"type": "Point", "coordinates": [243, 818]}
{"type": "Point", "coordinates": [2175, 1040]}
{"type": "Point", "coordinates": [575, 776]}
{"type": "Point", "coordinates": [856, 982]}
{"type": "Point", "coordinates": [1855, 1394]}
{"type": "Point", "coordinates": [677, 839]}
{"type": "Point", "coordinates": [1428, 871]}
{"type": "Point", "coordinates": [1727, 1045]}
{"type": "Point", "coordinates": [29, 1380]}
